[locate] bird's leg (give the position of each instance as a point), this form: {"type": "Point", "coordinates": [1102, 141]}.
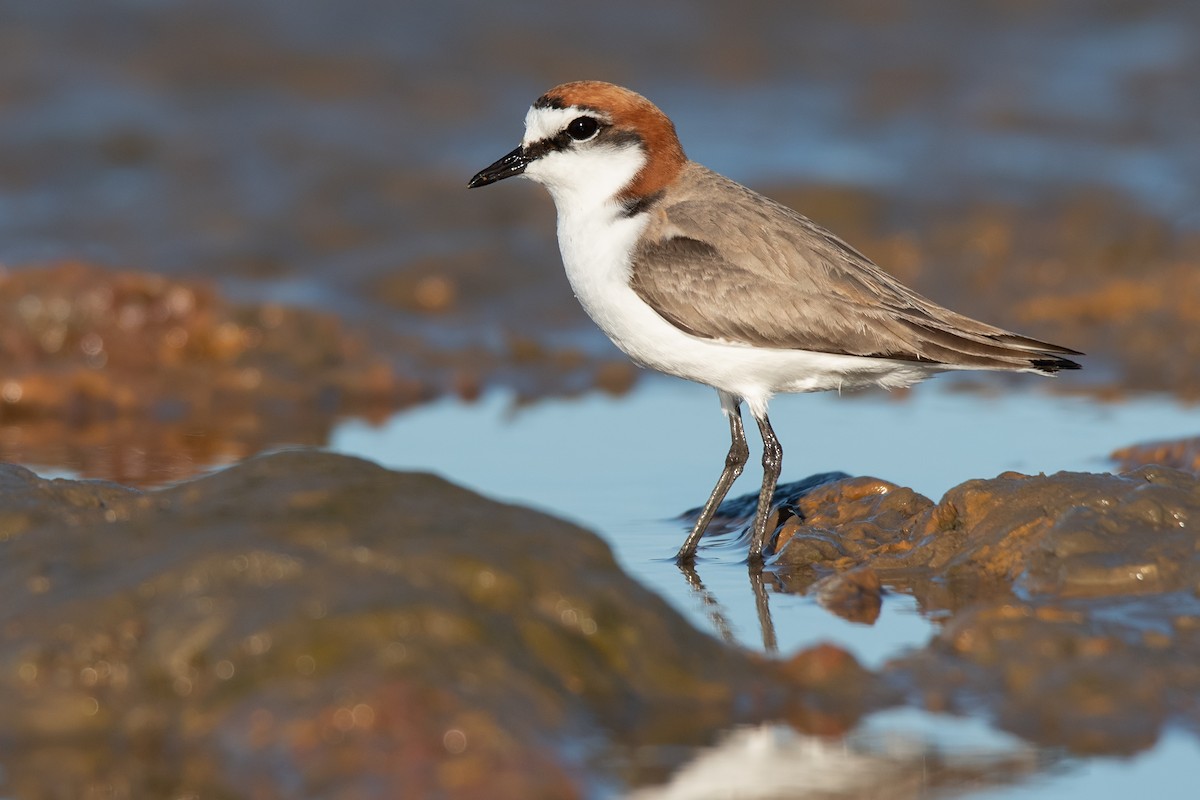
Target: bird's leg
{"type": "Point", "coordinates": [734, 462]}
{"type": "Point", "coordinates": [772, 461]}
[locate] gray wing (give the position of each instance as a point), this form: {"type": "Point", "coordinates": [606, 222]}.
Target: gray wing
{"type": "Point", "coordinates": [780, 280]}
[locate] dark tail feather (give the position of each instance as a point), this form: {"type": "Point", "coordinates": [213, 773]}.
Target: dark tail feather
{"type": "Point", "coordinates": [991, 349]}
{"type": "Point", "coordinates": [1049, 366]}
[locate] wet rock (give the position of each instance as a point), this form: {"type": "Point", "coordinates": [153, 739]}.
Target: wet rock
{"type": "Point", "coordinates": [304, 621]}
{"type": "Point", "coordinates": [138, 377]}
{"type": "Point", "coordinates": [868, 515]}
{"type": "Point", "coordinates": [1178, 454]}
{"type": "Point", "coordinates": [144, 379]}
{"type": "Point", "coordinates": [1069, 604]}
{"type": "Point", "coordinates": [738, 510]}
{"type": "Point", "coordinates": [1070, 533]}
{"type": "Point", "coordinates": [1146, 320]}
{"type": "Point", "coordinates": [1065, 534]}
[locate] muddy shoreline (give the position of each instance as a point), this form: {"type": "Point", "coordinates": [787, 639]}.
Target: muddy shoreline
{"type": "Point", "coordinates": [312, 617]}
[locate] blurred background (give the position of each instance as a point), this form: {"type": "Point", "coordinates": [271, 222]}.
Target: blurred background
{"type": "Point", "coordinates": [227, 227]}
{"type": "Point", "coordinates": [236, 221]}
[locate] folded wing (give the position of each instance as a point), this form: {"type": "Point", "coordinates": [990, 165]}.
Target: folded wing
{"type": "Point", "coordinates": [779, 280]}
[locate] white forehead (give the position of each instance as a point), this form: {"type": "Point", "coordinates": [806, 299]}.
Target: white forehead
{"type": "Point", "coordinates": [542, 123]}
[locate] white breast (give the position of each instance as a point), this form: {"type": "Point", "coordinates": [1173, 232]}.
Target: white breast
{"type": "Point", "coordinates": [597, 251]}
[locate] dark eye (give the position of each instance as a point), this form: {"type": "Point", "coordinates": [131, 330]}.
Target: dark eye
{"type": "Point", "coordinates": [583, 128]}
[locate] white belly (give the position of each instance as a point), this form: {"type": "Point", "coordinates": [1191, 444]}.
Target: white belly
{"type": "Point", "coordinates": [597, 261]}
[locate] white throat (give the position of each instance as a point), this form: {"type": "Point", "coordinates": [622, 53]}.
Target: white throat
{"type": "Point", "coordinates": [585, 177]}
{"type": "Point", "coordinates": [595, 235]}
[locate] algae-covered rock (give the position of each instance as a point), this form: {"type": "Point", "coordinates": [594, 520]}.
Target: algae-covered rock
{"type": "Point", "coordinates": [1067, 604]}
{"type": "Point", "coordinates": [1064, 534]}
{"type": "Point", "coordinates": [1176, 453]}
{"type": "Point", "coordinates": [308, 620]}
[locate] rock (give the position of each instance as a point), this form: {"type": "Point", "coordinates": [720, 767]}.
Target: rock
{"type": "Point", "coordinates": [1065, 534]}
{"type": "Point", "coordinates": [143, 378]}
{"type": "Point", "coordinates": [306, 620]}
{"type": "Point", "coordinates": [1070, 533]}
{"type": "Point", "coordinates": [866, 516]}
{"type": "Point", "coordinates": [146, 379]}
{"type": "Point", "coordinates": [1178, 454]}
{"type": "Point", "coordinates": [739, 510]}
{"type": "Point", "coordinates": [1068, 603]}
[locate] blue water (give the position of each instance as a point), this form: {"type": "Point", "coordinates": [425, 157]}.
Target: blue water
{"type": "Point", "coordinates": [626, 467]}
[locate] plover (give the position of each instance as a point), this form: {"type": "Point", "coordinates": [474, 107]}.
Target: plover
{"type": "Point", "coordinates": [695, 275]}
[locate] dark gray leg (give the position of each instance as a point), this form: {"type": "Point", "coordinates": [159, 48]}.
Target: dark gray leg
{"type": "Point", "coordinates": [734, 462]}
{"type": "Point", "coordinates": [772, 461]}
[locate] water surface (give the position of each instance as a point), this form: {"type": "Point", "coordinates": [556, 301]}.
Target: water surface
{"type": "Point", "coordinates": [628, 467]}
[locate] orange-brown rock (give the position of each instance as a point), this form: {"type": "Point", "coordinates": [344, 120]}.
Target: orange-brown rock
{"type": "Point", "coordinates": [1179, 454]}
{"type": "Point", "coordinates": [1068, 603]}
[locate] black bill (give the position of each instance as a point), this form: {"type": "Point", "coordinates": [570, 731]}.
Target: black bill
{"type": "Point", "coordinates": [512, 164]}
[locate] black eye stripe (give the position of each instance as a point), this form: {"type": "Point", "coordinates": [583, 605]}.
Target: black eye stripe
{"type": "Point", "coordinates": [541, 147]}
{"type": "Point", "coordinates": [563, 141]}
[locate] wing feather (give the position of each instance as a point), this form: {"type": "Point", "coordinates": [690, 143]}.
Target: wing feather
{"type": "Point", "coordinates": [780, 280]}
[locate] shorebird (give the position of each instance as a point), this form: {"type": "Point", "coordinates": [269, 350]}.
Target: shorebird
{"type": "Point", "coordinates": [694, 275]}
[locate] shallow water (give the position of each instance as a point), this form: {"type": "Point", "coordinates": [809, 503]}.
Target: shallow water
{"type": "Point", "coordinates": [1014, 769]}
{"type": "Point", "coordinates": [627, 467]}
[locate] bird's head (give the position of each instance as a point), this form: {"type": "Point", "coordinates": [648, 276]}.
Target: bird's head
{"type": "Point", "coordinates": [591, 143]}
